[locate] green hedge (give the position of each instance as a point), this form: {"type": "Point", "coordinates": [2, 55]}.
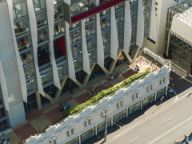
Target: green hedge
{"type": "Point", "coordinates": [108, 92]}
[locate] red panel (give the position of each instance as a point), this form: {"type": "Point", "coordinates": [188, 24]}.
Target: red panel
{"type": "Point", "coordinates": [60, 45]}
{"type": "Point", "coordinates": [95, 10]}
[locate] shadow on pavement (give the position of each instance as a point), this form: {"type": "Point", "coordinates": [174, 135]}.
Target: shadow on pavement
{"type": "Point", "coordinates": [178, 83]}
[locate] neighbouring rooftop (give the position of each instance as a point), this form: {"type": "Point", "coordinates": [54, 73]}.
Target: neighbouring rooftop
{"type": "Point", "coordinates": [181, 7]}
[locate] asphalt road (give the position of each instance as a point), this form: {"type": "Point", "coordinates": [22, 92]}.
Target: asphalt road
{"type": "Point", "coordinates": [161, 124]}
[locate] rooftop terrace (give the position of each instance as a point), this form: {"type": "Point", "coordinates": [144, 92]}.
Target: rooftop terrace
{"type": "Point", "coordinates": [38, 121]}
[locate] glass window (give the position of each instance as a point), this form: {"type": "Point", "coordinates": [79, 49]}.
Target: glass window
{"type": "Point", "coordinates": [39, 4]}
{"type": "Point", "coordinates": [59, 28]}
{"type": "Point", "coordinates": [43, 35]}
{"type": "Point", "coordinates": [27, 57]}
{"type": "Point", "coordinates": [24, 42]}
{"type": "Point", "coordinates": [68, 134]}
{"type": "Point", "coordinates": [29, 71]}
{"type": "Point", "coordinates": [21, 27]}
{"type": "Point", "coordinates": [20, 9]}
{"type": "Point", "coordinates": [41, 19]}
{"type": "Point", "coordinates": [85, 123]}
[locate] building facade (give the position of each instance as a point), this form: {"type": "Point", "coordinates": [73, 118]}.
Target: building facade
{"type": "Point", "coordinates": [49, 44]}
{"type": "Point", "coordinates": [156, 40]}
{"type": "Point", "coordinates": [78, 128]}
{"type": "Point", "coordinates": [178, 35]}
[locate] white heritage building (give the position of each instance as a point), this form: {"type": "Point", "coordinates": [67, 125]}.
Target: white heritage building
{"type": "Point", "coordinates": [77, 128]}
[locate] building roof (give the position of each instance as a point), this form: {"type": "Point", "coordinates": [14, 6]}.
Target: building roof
{"type": "Point", "coordinates": [181, 7]}
{"type": "Point", "coordinates": [186, 17]}
{"type": "Point", "coordinates": [182, 25]}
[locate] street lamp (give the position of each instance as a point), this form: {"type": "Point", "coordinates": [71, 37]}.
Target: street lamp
{"type": "Point", "coordinates": [105, 139]}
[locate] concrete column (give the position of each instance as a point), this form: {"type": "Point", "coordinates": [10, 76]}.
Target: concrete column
{"type": "Point", "coordinates": [34, 40]}
{"type": "Point", "coordinates": [126, 112]}
{"type": "Point", "coordinates": [127, 27]}
{"type": "Point", "coordinates": [140, 26]}
{"type": "Point", "coordinates": [155, 96]}
{"type": "Point", "coordinates": [96, 130]}
{"type": "Point", "coordinates": [86, 64]}
{"type": "Point", "coordinates": [166, 91]}
{"type": "Point", "coordinates": [111, 120]}
{"type": "Point", "coordinates": [71, 66]}
{"type": "Point", "coordinates": [141, 104]}
{"type": "Point", "coordinates": [50, 17]}
{"type": "Point", "coordinates": [114, 35]}
{"type": "Point", "coordinates": [100, 47]}
{"type": "Point", "coordinates": [38, 101]}
{"type": "Point", "coordinates": [79, 139]}
{"type": "Point", "coordinates": [167, 45]}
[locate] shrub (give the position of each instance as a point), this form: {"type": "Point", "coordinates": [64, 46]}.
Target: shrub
{"type": "Point", "coordinates": [108, 92]}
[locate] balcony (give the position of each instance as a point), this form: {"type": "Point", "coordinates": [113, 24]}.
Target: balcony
{"type": "Point", "coordinates": [43, 55]}
{"type": "Point", "coordinates": [19, 30]}
{"type": "Point", "coordinates": [31, 84]}
{"type": "Point", "coordinates": [85, 9]}
{"type": "Point", "coordinates": [23, 43]}
{"type": "Point", "coordinates": [27, 57]}
{"type": "Point", "coordinates": [43, 35]}
{"type": "Point", "coordinates": [47, 77]}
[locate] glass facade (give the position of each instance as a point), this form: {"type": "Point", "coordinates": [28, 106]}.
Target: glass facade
{"type": "Point", "coordinates": [161, 93]}
{"type": "Point", "coordinates": [148, 100]}
{"type": "Point", "coordinates": [119, 116]}
{"type": "Point", "coordinates": [134, 108]}
{"type": "Point", "coordinates": [74, 141]}
{"type": "Point", "coordinates": [177, 48]}
{"type": "Point", "coordinates": [181, 52]}
{"type": "Point", "coordinates": [101, 126]}
{"type": "Point", "coordinates": [88, 134]}
{"type": "Point", "coordinates": [24, 37]}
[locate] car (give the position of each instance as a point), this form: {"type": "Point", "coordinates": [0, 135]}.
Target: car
{"type": "Point", "coordinates": [67, 106]}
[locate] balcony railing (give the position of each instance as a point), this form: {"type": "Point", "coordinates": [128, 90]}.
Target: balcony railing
{"type": "Point", "coordinates": [92, 11]}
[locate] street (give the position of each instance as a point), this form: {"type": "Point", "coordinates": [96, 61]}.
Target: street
{"type": "Point", "coordinates": [161, 124]}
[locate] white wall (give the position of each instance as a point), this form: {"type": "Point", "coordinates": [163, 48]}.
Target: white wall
{"type": "Point", "coordinates": [160, 21]}
{"type": "Point", "coordinates": [59, 131]}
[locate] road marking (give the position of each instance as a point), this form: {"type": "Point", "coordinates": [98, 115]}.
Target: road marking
{"type": "Point", "coordinates": [134, 139]}
{"type": "Point", "coordinates": [172, 129]}
{"type": "Point", "coordinates": [160, 110]}
{"type": "Point", "coordinates": [170, 118]}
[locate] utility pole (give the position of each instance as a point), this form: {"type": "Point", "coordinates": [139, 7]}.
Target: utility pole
{"type": "Point", "coordinates": [105, 139]}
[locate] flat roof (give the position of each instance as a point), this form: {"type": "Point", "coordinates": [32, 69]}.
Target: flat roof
{"type": "Point", "coordinates": [181, 7]}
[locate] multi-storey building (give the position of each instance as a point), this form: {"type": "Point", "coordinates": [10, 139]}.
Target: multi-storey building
{"type": "Point", "coordinates": [48, 44]}
{"type": "Point", "coordinates": [178, 35]}
{"type": "Point", "coordinates": [108, 111]}
{"type": "Point", "coordinates": [156, 39]}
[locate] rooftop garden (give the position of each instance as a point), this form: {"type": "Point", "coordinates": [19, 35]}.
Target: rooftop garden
{"type": "Point", "coordinates": [107, 92]}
